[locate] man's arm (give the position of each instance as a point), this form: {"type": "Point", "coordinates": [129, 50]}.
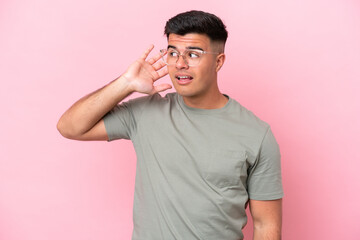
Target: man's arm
{"type": "Point", "coordinates": [83, 120]}
{"type": "Point", "coordinates": [267, 219]}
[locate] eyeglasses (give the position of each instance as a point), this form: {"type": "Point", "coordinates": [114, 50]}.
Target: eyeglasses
{"type": "Point", "coordinates": [191, 57]}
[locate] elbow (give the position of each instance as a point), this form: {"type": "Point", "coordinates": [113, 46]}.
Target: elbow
{"type": "Point", "coordinates": [62, 129]}
{"type": "Point", "coordinates": [267, 231]}
{"type": "Point", "coordinates": [65, 130]}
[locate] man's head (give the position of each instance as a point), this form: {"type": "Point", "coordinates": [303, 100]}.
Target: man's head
{"type": "Point", "coordinates": [198, 22]}
{"type": "Point", "coordinates": [195, 53]}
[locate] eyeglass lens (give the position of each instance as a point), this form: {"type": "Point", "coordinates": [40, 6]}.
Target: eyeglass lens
{"type": "Point", "coordinates": [190, 57]}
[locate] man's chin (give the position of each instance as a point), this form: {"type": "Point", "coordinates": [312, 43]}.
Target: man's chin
{"type": "Point", "coordinates": [184, 93]}
{"type": "Point", "coordinates": [183, 90]}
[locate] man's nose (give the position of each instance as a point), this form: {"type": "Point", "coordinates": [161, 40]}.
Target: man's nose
{"type": "Point", "coordinates": [181, 63]}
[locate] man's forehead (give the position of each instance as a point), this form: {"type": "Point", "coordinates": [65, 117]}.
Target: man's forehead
{"type": "Point", "coordinates": [190, 39]}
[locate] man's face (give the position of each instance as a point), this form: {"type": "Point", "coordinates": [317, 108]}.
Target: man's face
{"type": "Point", "coordinates": [194, 81]}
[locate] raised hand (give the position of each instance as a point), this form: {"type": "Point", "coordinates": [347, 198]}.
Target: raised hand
{"type": "Point", "coordinates": [142, 74]}
{"type": "Point", "coordinates": [82, 121]}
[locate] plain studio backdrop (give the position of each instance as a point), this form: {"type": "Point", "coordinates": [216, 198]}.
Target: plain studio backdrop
{"type": "Point", "coordinates": [295, 64]}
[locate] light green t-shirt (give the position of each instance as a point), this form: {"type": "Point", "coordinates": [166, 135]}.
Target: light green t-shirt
{"type": "Point", "coordinates": [196, 168]}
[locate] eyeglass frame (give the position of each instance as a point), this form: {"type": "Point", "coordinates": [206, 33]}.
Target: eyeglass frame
{"type": "Point", "coordinates": [183, 56]}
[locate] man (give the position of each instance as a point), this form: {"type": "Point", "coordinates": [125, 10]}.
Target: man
{"type": "Point", "coordinates": [202, 157]}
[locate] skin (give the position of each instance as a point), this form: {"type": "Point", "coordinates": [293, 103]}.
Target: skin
{"type": "Point", "coordinates": [203, 91]}
{"type": "Point", "coordinates": [267, 219]}
{"type": "Point", "coordinates": [83, 120]}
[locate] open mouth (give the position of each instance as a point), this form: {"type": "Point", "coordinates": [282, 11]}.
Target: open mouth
{"type": "Point", "coordinates": [183, 79]}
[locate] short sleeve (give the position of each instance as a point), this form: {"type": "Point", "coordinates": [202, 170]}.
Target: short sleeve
{"type": "Point", "coordinates": [121, 121]}
{"type": "Point", "coordinates": [264, 179]}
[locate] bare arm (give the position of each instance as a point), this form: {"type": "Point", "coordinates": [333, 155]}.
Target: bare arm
{"type": "Point", "coordinates": [83, 120]}
{"type": "Point", "coordinates": [267, 218]}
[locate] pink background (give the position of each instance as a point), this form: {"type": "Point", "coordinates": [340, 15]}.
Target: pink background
{"type": "Point", "coordinates": [296, 64]}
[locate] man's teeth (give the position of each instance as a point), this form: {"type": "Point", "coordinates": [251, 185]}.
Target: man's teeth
{"type": "Point", "coordinates": [183, 77]}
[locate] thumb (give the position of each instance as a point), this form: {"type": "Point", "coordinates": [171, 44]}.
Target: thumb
{"type": "Point", "coordinates": [162, 87]}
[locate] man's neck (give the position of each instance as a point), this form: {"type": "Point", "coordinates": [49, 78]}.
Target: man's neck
{"type": "Point", "coordinates": [213, 101]}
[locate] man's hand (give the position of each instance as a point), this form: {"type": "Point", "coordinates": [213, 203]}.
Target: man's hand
{"type": "Point", "coordinates": [142, 74]}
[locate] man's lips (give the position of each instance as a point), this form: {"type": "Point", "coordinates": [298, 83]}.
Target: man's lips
{"type": "Point", "coordinates": [183, 78]}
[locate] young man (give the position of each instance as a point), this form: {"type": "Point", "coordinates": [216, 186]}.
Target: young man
{"type": "Point", "coordinates": [202, 157]}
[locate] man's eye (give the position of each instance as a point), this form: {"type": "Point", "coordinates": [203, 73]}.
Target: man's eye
{"type": "Point", "coordinates": [173, 54]}
{"type": "Point", "coordinates": [193, 55]}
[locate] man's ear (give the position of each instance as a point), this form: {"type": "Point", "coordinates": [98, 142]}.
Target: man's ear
{"type": "Point", "coordinates": [220, 59]}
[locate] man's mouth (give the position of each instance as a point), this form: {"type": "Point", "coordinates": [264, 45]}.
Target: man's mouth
{"type": "Point", "coordinates": [183, 79]}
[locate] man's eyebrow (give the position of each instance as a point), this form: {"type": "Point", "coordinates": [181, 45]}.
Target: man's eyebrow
{"type": "Point", "coordinates": [198, 48]}
{"type": "Point", "coordinates": [190, 47]}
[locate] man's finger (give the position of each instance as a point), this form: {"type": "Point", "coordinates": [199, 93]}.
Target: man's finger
{"type": "Point", "coordinates": [162, 87]}
{"type": "Point", "coordinates": [147, 51]}
{"type": "Point", "coordinates": [163, 72]}
{"type": "Point", "coordinates": [155, 58]}
{"type": "Point", "coordinates": [160, 64]}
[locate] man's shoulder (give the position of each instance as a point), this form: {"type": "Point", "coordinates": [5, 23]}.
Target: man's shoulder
{"type": "Point", "coordinates": [151, 103]}
{"type": "Point", "coordinates": [151, 99]}
{"type": "Point", "coordinates": [247, 116]}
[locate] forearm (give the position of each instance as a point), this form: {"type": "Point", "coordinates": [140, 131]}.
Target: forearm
{"type": "Point", "coordinates": [87, 111]}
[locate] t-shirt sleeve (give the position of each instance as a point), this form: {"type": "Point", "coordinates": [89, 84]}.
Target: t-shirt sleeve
{"type": "Point", "coordinates": [121, 121]}
{"type": "Point", "coordinates": [264, 180]}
